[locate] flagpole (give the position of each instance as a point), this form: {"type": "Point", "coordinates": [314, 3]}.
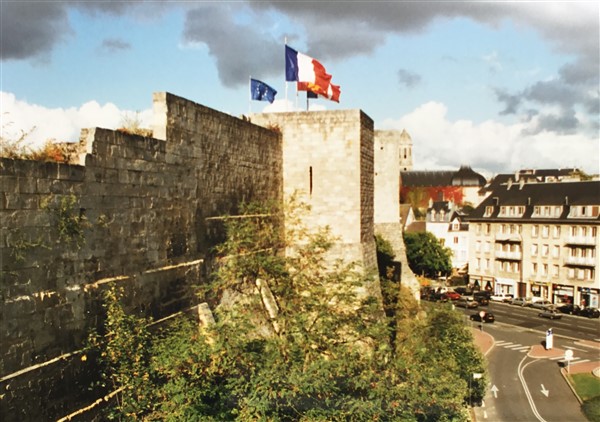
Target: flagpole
{"type": "Point", "coordinates": [285, 77]}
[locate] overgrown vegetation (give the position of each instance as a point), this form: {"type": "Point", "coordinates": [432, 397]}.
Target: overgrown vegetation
{"type": "Point", "coordinates": [293, 341]}
{"type": "Point", "coordinates": [68, 220]}
{"type": "Point", "coordinates": [426, 255]}
{"type": "Point", "coordinates": [132, 124]}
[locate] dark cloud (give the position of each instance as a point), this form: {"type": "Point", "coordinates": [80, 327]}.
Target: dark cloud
{"type": "Point", "coordinates": [112, 45]}
{"type": "Point", "coordinates": [30, 30]}
{"type": "Point", "coordinates": [563, 123]}
{"type": "Point", "coordinates": [239, 50]}
{"type": "Point", "coordinates": [336, 30]}
{"type": "Point", "coordinates": [511, 102]}
{"type": "Point", "coordinates": [408, 78]}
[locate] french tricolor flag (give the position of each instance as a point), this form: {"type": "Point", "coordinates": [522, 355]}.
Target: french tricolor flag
{"type": "Point", "coordinates": [310, 74]}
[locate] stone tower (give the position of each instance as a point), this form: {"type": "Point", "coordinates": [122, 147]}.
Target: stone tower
{"type": "Point", "coordinates": [405, 153]}
{"type": "Point", "coordinates": [328, 162]}
{"type": "Point", "coordinates": [389, 144]}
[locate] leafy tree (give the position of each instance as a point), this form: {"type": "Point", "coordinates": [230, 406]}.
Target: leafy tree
{"type": "Point", "coordinates": [293, 341]}
{"type": "Point", "coordinates": [426, 255]}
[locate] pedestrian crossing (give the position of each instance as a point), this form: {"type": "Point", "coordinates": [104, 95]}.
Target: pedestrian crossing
{"type": "Point", "coordinates": [524, 349]}
{"type": "Point", "coordinates": [513, 346]}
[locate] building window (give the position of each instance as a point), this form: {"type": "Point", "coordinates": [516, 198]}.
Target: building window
{"type": "Point", "coordinates": [534, 249]}
{"type": "Point", "coordinates": [488, 211]}
{"type": "Point", "coordinates": [535, 230]}
{"type": "Point", "coordinates": [455, 240]}
{"type": "Point", "coordinates": [555, 270]}
{"type": "Point", "coordinates": [488, 228]}
{"type": "Point", "coordinates": [573, 230]}
{"type": "Point", "coordinates": [478, 246]}
{"type": "Point", "coordinates": [487, 247]}
{"type": "Point", "coordinates": [534, 268]}
{"type": "Point", "coordinates": [545, 231]}
{"type": "Point", "coordinates": [555, 251]}
{"type": "Point", "coordinates": [478, 228]}
{"type": "Point", "coordinates": [594, 231]}
{"type": "Point", "coordinates": [478, 263]}
{"type": "Point", "coordinates": [571, 272]}
{"type": "Point", "coordinates": [545, 250]}
{"type": "Point", "coordinates": [556, 232]}
{"type": "Point", "coordinates": [557, 211]}
{"type": "Point", "coordinates": [544, 269]}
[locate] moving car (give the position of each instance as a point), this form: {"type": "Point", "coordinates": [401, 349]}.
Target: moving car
{"type": "Point", "coordinates": [466, 302]}
{"type": "Point", "coordinates": [550, 313]}
{"type": "Point", "coordinates": [590, 312]}
{"type": "Point", "coordinates": [487, 317]}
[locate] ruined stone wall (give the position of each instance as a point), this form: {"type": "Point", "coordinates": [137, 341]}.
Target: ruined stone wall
{"type": "Point", "coordinates": [131, 213]}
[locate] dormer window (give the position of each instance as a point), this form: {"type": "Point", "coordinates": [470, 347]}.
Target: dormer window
{"type": "Point", "coordinates": [488, 211]}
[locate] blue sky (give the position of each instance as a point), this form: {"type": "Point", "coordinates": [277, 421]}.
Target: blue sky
{"type": "Point", "coordinates": [495, 85]}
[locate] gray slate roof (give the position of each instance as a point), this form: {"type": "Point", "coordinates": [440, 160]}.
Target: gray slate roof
{"type": "Point", "coordinates": [540, 194]}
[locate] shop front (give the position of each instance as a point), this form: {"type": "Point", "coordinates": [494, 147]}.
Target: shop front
{"type": "Point", "coordinates": [563, 294]}
{"type": "Point", "coordinates": [540, 290]}
{"type": "Point", "coordinates": [506, 286]}
{"type": "Point", "coordinates": [588, 297]}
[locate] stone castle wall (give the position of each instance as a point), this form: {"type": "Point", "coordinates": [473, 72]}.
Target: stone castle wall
{"type": "Point", "coordinates": [132, 213]}
{"type": "Point", "coordinates": [136, 212]}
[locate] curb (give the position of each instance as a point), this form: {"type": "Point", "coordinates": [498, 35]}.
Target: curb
{"type": "Point", "coordinates": [566, 378]}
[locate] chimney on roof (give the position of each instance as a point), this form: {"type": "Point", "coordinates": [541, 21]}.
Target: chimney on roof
{"type": "Point", "coordinates": [516, 176]}
{"type": "Point", "coordinates": [509, 184]}
{"type": "Point", "coordinates": [529, 200]}
{"type": "Point", "coordinates": [521, 183]}
{"type": "Point", "coordinates": [496, 200]}
{"type": "Point", "coordinates": [566, 200]}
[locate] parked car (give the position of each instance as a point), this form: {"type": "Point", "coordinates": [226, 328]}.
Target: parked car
{"type": "Point", "coordinates": [466, 302]}
{"type": "Point", "coordinates": [483, 298]}
{"type": "Point", "coordinates": [452, 295]}
{"type": "Point", "coordinates": [501, 297]}
{"type": "Point", "coordinates": [590, 312]}
{"type": "Point", "coordinates": [569, 308]}
{"type": "Point", "coordinates": [521, 301]}
{"type": "Point", "coordinates": [550, 313]}
{"type": "Point", "coordinates": [541, 304]}
{"type": "Point", "coordinates": [487, 317]}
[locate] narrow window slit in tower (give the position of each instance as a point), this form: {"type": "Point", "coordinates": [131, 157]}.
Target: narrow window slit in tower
{"type": "Point", "coordinates": [310, 179]}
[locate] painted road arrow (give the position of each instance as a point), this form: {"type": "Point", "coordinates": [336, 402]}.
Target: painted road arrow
{"type": "Point", "coordinates": [544, 391]}
{"type": "Point", "coordinates": [494, 390]}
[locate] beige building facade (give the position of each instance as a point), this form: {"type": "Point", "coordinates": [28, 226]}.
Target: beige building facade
{"type": "Point", "coordinates": [538, 240]}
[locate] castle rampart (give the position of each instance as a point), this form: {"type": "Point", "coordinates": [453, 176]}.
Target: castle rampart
{"type": "Point", "coordinates": [136, 211]}
{"type": "Point", "coordinates": [133, 213]}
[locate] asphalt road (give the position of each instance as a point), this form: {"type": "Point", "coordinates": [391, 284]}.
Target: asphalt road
{"type": "Point", "coordinates": [528, 388]}
{"type": "Point", "coordinates": [524, 388]}
{"type": "Point", "coordinates": [523, 317]}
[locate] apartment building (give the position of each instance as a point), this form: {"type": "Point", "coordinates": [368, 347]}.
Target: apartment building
{"type": "Point", "coordinates": [446, 221]}
{"type": "Point", "coordinates": [538, 239]}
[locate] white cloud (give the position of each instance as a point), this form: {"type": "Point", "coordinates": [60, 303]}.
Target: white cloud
{"type": "Point", "coordinates": [491, 146]}
{"type": "Point", "coordinates": [438, 143]}
{"type": "Point", "coordinates": [60, 124]}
